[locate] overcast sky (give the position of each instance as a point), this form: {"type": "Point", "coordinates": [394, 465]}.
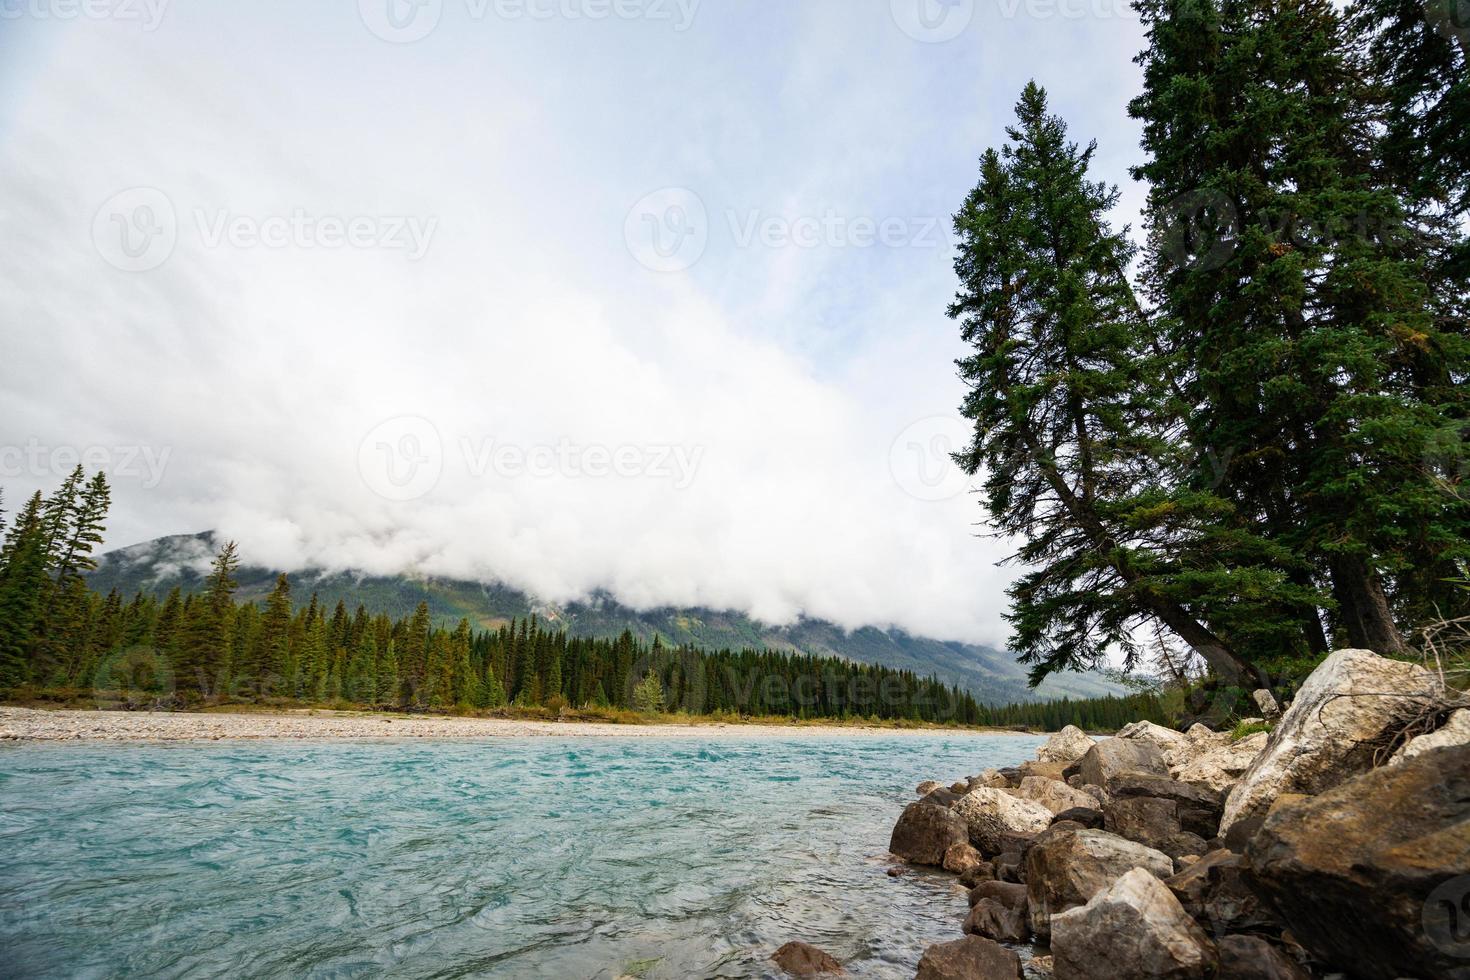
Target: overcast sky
{"type": "Point", "coordinates": [637, 295]}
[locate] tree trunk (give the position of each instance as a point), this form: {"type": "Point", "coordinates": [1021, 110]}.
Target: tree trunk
{"type": "Point", "coordinates": [1363, 607]}
{"type": "Point", "coordinates": [1222, 660]}
{"type": "Point", "coordinates": [1316, 636]}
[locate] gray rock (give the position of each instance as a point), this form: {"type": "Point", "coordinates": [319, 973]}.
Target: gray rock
{"type": "Point", "coordinates": [1133, 930]}
{"type": "Point", "coordinates": [925, 832]}
{"type": "Point", "coordinates": [1395, 841]}
{"type": "Point", "coordinates": [971, 958]}
{"type": "Point", "coordinates": [1221, 766]}
{"type": "Point", "coordinates": [1066, 869]}
{"type": "Point", "coordinates": [1113, 757]}
{"type": "Point", "coordinates": [1266, 704]}
{"type": "Point", "coordinates": [1056, 796]}
{"type": "Point", "coordinates": [991, 813]}
{"type": "Point", "coordinates": [1352, 702]}
{"type": "Point", "coordinates": [1067, 745]}
{"type": "Point", "coordinates": [992, 920]}
{"type": "Point", "coordinates": [799, 959]}
{"type": "Point", "coordinates": [1164, 738]}
{"type": "Point", "coordinates": [1143, 819]}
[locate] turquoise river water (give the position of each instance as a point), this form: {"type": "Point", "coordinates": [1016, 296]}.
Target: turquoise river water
{"type": "Point", "coordinates": [545, 857]}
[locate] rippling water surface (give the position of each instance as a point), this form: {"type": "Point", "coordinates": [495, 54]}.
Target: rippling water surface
{"type": "Point", "coordinates": [546, 857]}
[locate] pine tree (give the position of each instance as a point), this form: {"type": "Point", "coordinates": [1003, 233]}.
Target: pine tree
{"type": "Point", "coordinates": [1066, 403]}
{"type": "Point", "coordinates": [204, 649]}
{"type": "Point", "coordinates": [648, 696]}
{"type": "Point", "coordinates": [167, 627]}
{"type": "Point", "coordinates": [272, 649]}
{"type": "Point", "coordinates": [438, 688]}
{"type": "Point", "coordinates": [1303, 318]}
{"type": "Point", "coordinates": [360, 686]}
{"type": "Point", "coordinates": [463, 682]}
{"type": "Point", "coordinates": [23, 588]}
{"type": "Point", "coordinates": [414, 662]}
{"type": "Point", "coordinates": [388, 686]}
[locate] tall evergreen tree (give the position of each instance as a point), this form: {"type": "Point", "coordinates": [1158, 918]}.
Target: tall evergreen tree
{"type": "Point", "coordinates": [273, 644]}
{"type": "Point", "coordinates": [1066, 403]}
{"type": "Point", "coordinates": [388, 685]}
{"type": "Point", "coordinates": [23, 588]}
{"type": "Point", "coordinates": [1283, 279]}
{"type": "Point", "coordinates": [204, 649]}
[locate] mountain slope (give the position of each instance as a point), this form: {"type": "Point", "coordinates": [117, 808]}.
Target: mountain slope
{"type": "Point", "coordinates": [993, 675]}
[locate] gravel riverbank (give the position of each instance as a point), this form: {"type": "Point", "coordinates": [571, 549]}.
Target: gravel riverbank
{"type": "Point", "coordinates": [28, 724]}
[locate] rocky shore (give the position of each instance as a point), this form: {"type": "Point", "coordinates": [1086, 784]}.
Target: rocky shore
{"type": "Point", "coordinates": [27, 724]}
{"type": "Point", "coordinates": [1336, 845]}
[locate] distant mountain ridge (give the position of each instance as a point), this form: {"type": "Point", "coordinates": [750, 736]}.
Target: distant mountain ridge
{"type": "Point", "coordinates": [992, 675]}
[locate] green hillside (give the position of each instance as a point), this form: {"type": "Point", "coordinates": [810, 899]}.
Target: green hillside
{"type": "Point", "coordinates": [993, 675]}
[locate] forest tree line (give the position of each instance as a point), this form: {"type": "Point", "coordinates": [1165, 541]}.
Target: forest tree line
{"type": "Point", "coordinates": [1250, 432]}
{"type": "Point", "coordinates": [207, 646]}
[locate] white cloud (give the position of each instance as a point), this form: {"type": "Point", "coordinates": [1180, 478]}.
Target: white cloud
{"type": "Point", "coordinates": [755, 397]}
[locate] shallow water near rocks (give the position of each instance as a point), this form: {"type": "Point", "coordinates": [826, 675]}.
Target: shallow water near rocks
{"type": "Point", "coordinates": [544, 857]}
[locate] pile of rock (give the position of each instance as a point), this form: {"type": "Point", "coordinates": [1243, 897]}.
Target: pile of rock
{"type": "Point", "coordinates": [1155, 853]}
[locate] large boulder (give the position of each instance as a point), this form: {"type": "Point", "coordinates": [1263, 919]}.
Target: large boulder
{"type": "Point", "coordinates": [924, 833]}
{"type": "Point", "coordinates": [992, 920]}
{"type": "Point", "coordinates": [1143, 819]}
{"type": "Point", "coordinates": [1067, 745]}
{"type": "Point", "coordinates": [1455, 731]}
{"type": "Point", "coordinates": [1056, 796]}
{"type": "Point", "coordinates": [1065, 869]}
{"type": "Point", "coordinates": [1342, 714]}
{"type": "Point", "coordinates": [971, 958]}
{"type": "Point", "coordinates": [1395, 840]}
{"type": "Point", "coordinates": [1133, 930]}
{"type": "Point", "coordinates": [1164, 738]}
{"type": "Point", "coordinates": [799, 959]}
{"type": "Point", "coordinates": [1112, 757]}
{"type": "Point", "coordinates": [1221, 764]}
{"type": "Point", "coordinates": [991, 814]}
